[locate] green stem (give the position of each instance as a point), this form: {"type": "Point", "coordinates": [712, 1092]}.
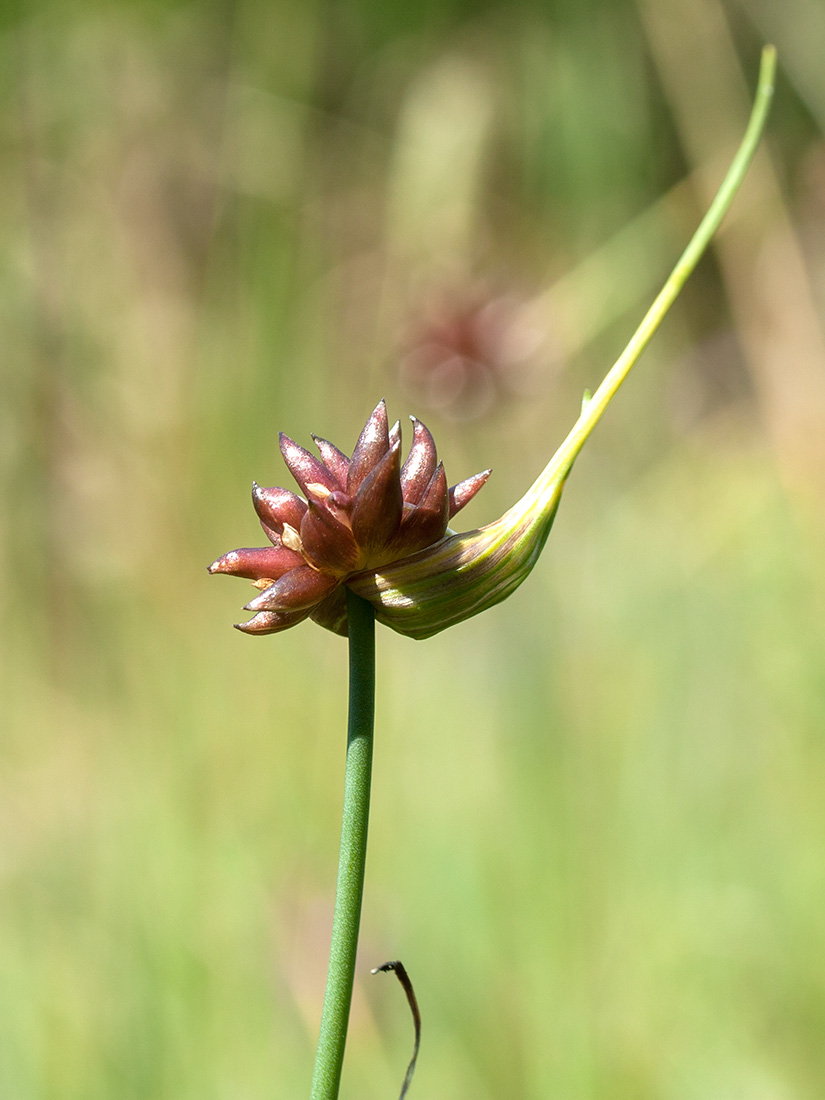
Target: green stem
{"type": "Point", "coordinates": [353, 854]}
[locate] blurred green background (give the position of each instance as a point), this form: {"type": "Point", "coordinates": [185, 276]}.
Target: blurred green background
{"type": "Point", "coordinates": [598, 839]}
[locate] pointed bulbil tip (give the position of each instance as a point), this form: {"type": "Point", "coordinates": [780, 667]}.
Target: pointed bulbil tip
{"type": "Point", "coordinates": [257, 563]}
{"type": "Point", "coordinates": [298, 589]}
{"type": "Point", "coordinates": [377, 424]}
{"type": "Point", "coordinates": [226, 563]}
{"type": "Point", "coordinates": [276, 509]}
{"type": "Point", "coordinates": [379, 504]}
{"type": "Point", "coordinates": [435, 497]}
{"type": "Point", "coordinates": [464, 492]}
{"type": "Point", "coordinates": [305, 467]}
{"type": "Point", "coordinates": [420, 463]}
{"type": "Point", "coordinates": [334, 460]}
{"type": "Point", "coordinates": [271, 622]}
{"type": "Point", "coordinates": [265, 622]}
{"type": "Point", "coordinates": [373, 443]}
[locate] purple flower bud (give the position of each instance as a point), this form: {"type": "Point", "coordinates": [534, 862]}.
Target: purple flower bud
{"type": "Point", "coordinates": [360, 515]}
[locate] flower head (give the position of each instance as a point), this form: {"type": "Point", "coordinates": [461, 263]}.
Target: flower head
{"type": "Point", "coordinates": [356, 515]}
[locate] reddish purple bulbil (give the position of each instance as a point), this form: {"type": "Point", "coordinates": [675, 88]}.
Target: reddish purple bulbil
{"type": "Point", "coordinates": [357, 514]}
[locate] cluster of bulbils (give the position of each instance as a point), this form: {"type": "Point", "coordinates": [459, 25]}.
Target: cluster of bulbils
{"type": "Point", "coordinates": [357, 515]}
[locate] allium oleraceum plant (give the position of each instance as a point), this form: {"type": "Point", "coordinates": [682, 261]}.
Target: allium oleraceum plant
{"type": "Point", "coordinates": [369, 540]}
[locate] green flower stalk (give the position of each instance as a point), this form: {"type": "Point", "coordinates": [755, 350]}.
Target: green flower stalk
{"type": "Point", "coordinates": [369, 540]}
